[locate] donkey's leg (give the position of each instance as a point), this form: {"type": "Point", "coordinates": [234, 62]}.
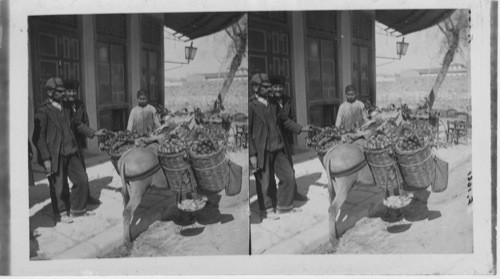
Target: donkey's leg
{"type": "Point", "coordinates": [136, 190]}
{"type": "Point", "coordinates": [342, 186]}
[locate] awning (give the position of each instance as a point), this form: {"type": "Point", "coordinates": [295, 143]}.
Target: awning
{"type": "Point", "coordinates": [196, 25]}
{"type": "Point", "coordinates": [409, 21]}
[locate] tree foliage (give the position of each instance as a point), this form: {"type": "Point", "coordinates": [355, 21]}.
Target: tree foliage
{"type": "Point", "coordinates": [456, 39]}
{"type": "Point", "coordinates": [238, 32]}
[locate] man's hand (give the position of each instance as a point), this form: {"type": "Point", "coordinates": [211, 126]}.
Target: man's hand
{"type": "Point", "coordinates": [48, 166]}
{"type": "Point", "coordinates": [100, 133]}
{"type": "Point", "coordinates": [307, 128]}
{"type": "Point", "coordinates": [253, 162]}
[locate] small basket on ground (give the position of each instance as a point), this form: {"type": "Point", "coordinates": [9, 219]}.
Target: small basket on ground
{"type": "Point", "coordinates": [384, 168]}
{"type": "Point", "coordinates": [179, 174]}
{"type": "Point", "coordinates": [417, 167]}
{"type": "Point", "coordinates": [211, 171]}
{"type": "Point", "coordinates": [117, 150]}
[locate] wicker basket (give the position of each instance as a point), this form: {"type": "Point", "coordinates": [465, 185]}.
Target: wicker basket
{"type": "Point", "coordinates": [384, 168]}
{"type": "Point", "coordinates": [179, 174]}
{"type": "Point", "coordinates": [417, 167]}
{"type": "Point", "coordinates": [211, 171]}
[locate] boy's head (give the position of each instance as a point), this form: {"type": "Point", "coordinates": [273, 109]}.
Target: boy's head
{"type": "Point", "coordinates": [142, 97]}
{"type": "Point", "coordinates": [350, 92]}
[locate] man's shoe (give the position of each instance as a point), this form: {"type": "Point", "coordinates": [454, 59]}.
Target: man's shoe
{"type": "Point", "coordinates": [66, 219]}
{"type": "Point", "coordinates": [300, 197]}
{"type": "Point", "coordinates": [269, 214]}
{"type": "Point", "coordinates": [284, 211]}
{"type": "Point", "coordinates": [93, 201]}
{"type": "Point", "coordinates": [87, 213]}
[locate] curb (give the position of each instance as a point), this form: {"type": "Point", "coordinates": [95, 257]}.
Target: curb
{"type": "Point", "coordinates": [303, 242]}
{"type": "Point", "coordinates": [98, 245]}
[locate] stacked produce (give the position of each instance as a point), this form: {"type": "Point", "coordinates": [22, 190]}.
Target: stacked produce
{"type": "Point", "coordinates": [204, 146]}
{"type": "Point", "coordinates": [172, 145]}
{"type": "Point", "coordinates": [324, 138]}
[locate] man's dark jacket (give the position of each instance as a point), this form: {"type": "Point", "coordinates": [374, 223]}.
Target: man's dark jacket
{"type": "Point", "coordinates": [287, 115]}
{"type": "Point", "coordinates": [80, 122]}
{"type": "Point", "coordinates": [48, 134]}
{"type": "Point", "coordinates": [258, 130]}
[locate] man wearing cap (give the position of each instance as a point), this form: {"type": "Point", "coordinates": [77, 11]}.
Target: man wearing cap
{"type": "Point", "coordinates": [59, 154]}
{"type": "Point", "coordinates": [80, 122]}
{"type": "Point", "coordinates": [142, 119]}
{"type": "Point", "coordinates": [284, 104]}
{"type": "Point", "coordinates": [266, 148]}
{"type": "Point", "coordinates": [350, 113]}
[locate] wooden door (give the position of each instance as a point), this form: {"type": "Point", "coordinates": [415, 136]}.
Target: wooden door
{"type": "Point", "coordinates": [55, 53]}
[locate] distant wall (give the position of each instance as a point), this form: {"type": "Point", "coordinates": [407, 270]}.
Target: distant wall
{"type": "Point", "coordinates": [412, 90]}
{"type": "Point", "coordinates": [202, 94]}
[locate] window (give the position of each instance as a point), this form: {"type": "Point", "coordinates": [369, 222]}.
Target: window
{"type": "Point", "coordinates": [152, 59]}
{"type": "Point", "coordinates": [111, 49]}
{"type": "Point", "coordinates": [323, 95]}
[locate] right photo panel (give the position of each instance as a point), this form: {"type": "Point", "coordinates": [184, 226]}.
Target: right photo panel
{"type": "Point", "coordinates": [360, 134]}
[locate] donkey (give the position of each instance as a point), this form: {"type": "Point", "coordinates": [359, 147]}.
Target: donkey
{"type": "Point", "coordinates": [138, 168]}
{"type": "Point", "coordinates": [345, 165]}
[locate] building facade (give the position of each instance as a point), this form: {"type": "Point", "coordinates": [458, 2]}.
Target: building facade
{"type": "Point", "coordinates": [113, 56]}
{"type": "Point", "coordinates": [319, 53]}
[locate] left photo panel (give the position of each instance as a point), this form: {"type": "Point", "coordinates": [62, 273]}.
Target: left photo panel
{"type": "Point", "coordinates": [137, 135]}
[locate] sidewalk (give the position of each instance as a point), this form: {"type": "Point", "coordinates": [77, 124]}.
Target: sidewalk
{"type": "Point", "coordinates": [306, 232]}
{"type": "Point", "coordinates": [95, 236]}
{"type": "Point", "coordinates": [302, 232]}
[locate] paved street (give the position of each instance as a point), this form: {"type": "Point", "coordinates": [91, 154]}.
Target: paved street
{"type": "Point", "coordinates": [101, 235]}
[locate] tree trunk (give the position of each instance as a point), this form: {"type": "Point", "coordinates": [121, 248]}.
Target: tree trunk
{"type": "Point", "coordinates": [235, 64]}
{"type": "Point", "coordinates": [448, 58]}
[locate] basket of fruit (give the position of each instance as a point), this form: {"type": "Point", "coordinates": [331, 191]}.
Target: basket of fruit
{"type": "Point", "coordinates": [324, 139]}
{"type": "Point", "coordinates": [208, 159]}
{"type": "Point", "coordinates": [174, 161]}
{"type": "Point", "coordinates": [379, 155]}
{"type": "Point", "coordinates": [414, 156]}
{"type": "Point", "coordinates": [117, 144]}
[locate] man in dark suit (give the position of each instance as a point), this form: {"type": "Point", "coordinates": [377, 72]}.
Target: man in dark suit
{"type": "Point", "coordinates": [267, 152]}
{"type": "Point", "coordinates": [286, 114]}
{"type": "Point", "coordinates": [80, 122]}
{"type": "Point", "coordinates": [59, 154]}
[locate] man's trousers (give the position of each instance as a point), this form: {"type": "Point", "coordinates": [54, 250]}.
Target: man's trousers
{"type": "Point", "coordinates": [75, 201]}
{"type": "Point", "coordinates": [276, 163]}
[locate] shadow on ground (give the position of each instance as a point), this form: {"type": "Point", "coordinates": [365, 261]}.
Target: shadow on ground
{"type": "Point", "coordinates": [44, 217]}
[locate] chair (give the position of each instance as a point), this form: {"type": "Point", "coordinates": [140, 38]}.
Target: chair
{"type": "Point", "coordinates": [242, 135]}
{"type": "Point", "coordinates": [451, 113]}
{"type": "Point", "coordinates": [451, 124]}
{"type": "Point", "coordinates": [462, 126]}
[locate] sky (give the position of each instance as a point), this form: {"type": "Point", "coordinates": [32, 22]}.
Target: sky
{"type": "Point", "coordinates": [424, 50]}
{"type": "Point", "coordinates": [211, 56]}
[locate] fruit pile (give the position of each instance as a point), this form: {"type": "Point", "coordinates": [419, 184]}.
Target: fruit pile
{"type": "Point", "coordinates": [204, 145]}
{"type": "Point", "coordinates": [121, 147]}
{"type": "Point", "coordinates": [378, 141]}
{"type": "Point", "coordinates": [115, 140]}
{"type": "Point", "coordinates": [324, 138]}
{"type": "Point", "coordinates": [172, 146]}
{"type": "Point", "coordinates": [410, 142]}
